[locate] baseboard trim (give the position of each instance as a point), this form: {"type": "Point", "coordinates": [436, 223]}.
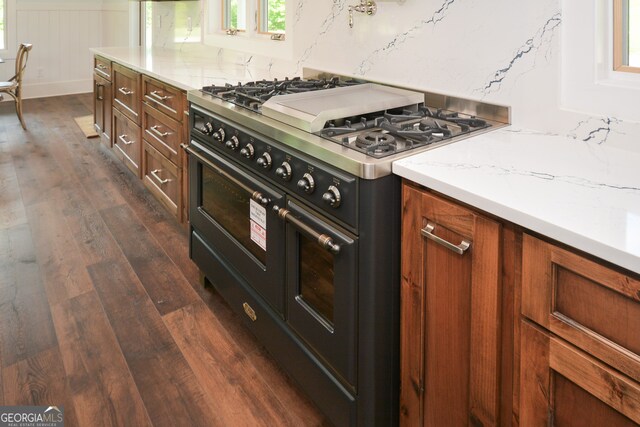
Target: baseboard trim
{"type": "Point", "coordinates": [45, 90]}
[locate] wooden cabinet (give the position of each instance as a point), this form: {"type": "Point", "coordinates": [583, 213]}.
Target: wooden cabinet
{"type": "Point", "coordinates": [126, 92]}
{"type": "Point", "coordinates": [162, 178]}
{"type": "Point", "coordinates": [149, 123]}
{"type": "Point", "coordinates": [500, 327]}
{"type": "Point", "coordinates": [102, 95]}
{"type": "Point", "coordinates": [165, 98]}
{"type": "Point", "coordinates": [581, 362]}
{"type": "Point", "coordinates": [451, 309]}
{"type": "Point", "coordinates": [127, 141]}
{"type": "Point", "coordinates": [164, 129]}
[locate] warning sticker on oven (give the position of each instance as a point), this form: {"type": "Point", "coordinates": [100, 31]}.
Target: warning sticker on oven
{"type": "Point", "coordinates": [258, 223]}
{"type": "Point", "coordinates": [259, 235]}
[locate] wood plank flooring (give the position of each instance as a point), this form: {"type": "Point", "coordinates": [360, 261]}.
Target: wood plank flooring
{"type": "Point", "coordinates": [101, 310]}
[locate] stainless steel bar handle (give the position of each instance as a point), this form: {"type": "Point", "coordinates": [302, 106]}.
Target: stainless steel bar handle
{"type": "Point", "coordinates": [102, 66]}
{"type": "Point", "coordinates": [123, 139]}
{"type": "Point", "coordinates": [156, 94]}
{"type": "Point", "coordinates": [323, 240]}
{"type": "Point", "coordinates": [154, 173]}
{"type": "Point", "coordinates": [459, 249]}
{"type": "Point", "coordinates": [125, 91]}
{"type": "Point", "coordinates": [157, 132]}
{"type": "Point", "coordinates": [255, 195]}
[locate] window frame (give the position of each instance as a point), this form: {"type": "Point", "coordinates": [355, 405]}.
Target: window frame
{"type": "Point", "coordinates": [263, 19]}
{"type": "Point", "coordinates": [249, 41]}
{"type": "Point", "coordinates": [224, 5]}
{"type": "Point", "coordinates": [620, 19]}
{"type": "Point", "coordinates": [10, 46]}
{"type": "Point", "coordinates": [259, 9]}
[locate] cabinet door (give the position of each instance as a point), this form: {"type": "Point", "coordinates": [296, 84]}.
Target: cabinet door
{"type": "Point", "coordinates": [450, 314]}
{"type": "Point", "coordinates": [563, 386]}
{"type": "Point", "coordinates": [98, 102]}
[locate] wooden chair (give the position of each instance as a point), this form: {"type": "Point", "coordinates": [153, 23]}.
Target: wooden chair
{"type": "Point", "coordinates": [13, 86]}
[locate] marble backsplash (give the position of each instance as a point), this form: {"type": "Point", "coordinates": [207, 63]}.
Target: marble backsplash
{"type": "Point", "coordinates": [501, 51]}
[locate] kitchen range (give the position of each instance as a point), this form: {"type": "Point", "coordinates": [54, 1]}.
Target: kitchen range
{"type": "Point", "coordinates": [295, 220]}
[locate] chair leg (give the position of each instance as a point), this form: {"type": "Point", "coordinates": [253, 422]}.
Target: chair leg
{"type": "Point", "coordinates": [19, 113]}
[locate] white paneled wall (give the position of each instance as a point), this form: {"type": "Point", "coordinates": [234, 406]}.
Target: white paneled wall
{"type": "Point", "coordinates": [62, 33]}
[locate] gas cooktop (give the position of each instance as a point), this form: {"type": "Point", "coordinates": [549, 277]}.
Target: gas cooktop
{"type": "Point", "coordinates": [376, 120]}
{"type": "Point", "coordinates": [358, 126]}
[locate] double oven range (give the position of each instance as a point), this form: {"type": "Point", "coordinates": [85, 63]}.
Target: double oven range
{"type": "Point", "coordinates": [295, 220]}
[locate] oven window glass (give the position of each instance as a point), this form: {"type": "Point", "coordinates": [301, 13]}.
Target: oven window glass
{"type": "Point", "coordinates": [228, 205]}
{"type": "Point", "coordinates": [316, 277]}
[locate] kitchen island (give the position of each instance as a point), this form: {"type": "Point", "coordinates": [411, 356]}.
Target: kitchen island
{"type": "Point", "coordinates": [531, 242]}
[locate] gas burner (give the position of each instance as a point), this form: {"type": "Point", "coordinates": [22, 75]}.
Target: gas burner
{"type": "Point", "coordinates": [374, 140]}
{"type": "Point", "coordinates": [381, 149]}
{"type": "Point", "coordinates": [434, 127]}
{"type": "Point", "coordinates": [349, 126]}
{"type": "Point", "coordinates": [253, 94]}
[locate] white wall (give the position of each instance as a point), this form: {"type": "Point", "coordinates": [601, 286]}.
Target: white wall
{"type": "Point", "coordinates": [539, 57]}
{"type": "Point", "coordinates": [62, 33]}
{"type": "Point", "coordinates": [520, 53]}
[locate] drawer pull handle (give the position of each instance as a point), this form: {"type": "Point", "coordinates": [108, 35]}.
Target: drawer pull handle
{"type": "Point", "coordinates": [155, 130]}
{"type": "Point", "coordinates": [459, 249]}
{"type": "Point", "coordinates": [158, 95]}
{"type": "Point", "coordinates": [124, 140]}
{"type": "Point", "coordinates": [102, 66]}
{"type": "Point", "coordinates": [99, 96]}
{"type": "Point", "coordinates": [154, 173]}
{"type": "Point", "coordinates": [125, 91]}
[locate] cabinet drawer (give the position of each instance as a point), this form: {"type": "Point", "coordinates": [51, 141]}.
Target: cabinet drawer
{"type": "Point", "coordinates": [165, 98]}
{"type": "Point", "coordinates": [162, 132]}
{"type": "Point", "coordinates": [594, 307]}
{"type": "Point", "coordinates": [102, 67]}
{"type": "Point", "coordinates": [161, 177]}
{"type": "Point", "coordinates": [126, 92]}
{"type": "Point", "coordinates": [563, 386]}
{"type": "Point", "coordinates": [127, 141]}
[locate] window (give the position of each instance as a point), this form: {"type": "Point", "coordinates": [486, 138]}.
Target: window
{"type": "Point", "coordinates": [626, 37]}
{"type": "Point", "coordinates": [270, 15]}
{"type": "Point", "coordinates": [3, 18]}
{"type": "Point", "coordinates": [234, 15]}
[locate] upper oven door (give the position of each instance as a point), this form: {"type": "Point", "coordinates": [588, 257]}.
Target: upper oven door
{"type": "Point", "coordinates": [232, 209]}
{"type": "Point", "coordinates": [322, 287]}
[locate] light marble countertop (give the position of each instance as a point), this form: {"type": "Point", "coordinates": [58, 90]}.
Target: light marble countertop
{"type": "Point", "coordinates": [194, 68]}
{"type": "Point", "coordinates": [579, 193]}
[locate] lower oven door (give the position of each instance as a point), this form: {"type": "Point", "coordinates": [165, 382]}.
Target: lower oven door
{"type": "Point", "coordinates": [232, 210]}
{"type": "Point", "coordinates": [322, 288]}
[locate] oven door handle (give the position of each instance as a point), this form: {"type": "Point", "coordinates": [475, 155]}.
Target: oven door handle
{"type": "Point", "coordinates": [255, 195]}
{"type": "Point", "coordinates": [325, 241]}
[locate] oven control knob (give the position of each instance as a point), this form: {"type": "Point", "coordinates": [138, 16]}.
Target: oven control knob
{"type": "Point", "coordinates": [307, 184]}
{"type": "Point", "coordinates": [247, 151]}
{"type": "Point", "coordinates": [217, 135]}
{"type": "Point", "coordinates": [284, 171]}
{"type": "Point", "coordinates": [233, 143]}
{"type": "Point", "coordinates": [264, 161]}
{"type": "Point", "coordinates": [207, 128]}
{"type": "Point", "coordinates": [332, 197]}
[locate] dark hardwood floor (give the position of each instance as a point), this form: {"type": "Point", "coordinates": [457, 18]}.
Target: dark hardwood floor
{"type": "Point", "coordinates": [101, 310]}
